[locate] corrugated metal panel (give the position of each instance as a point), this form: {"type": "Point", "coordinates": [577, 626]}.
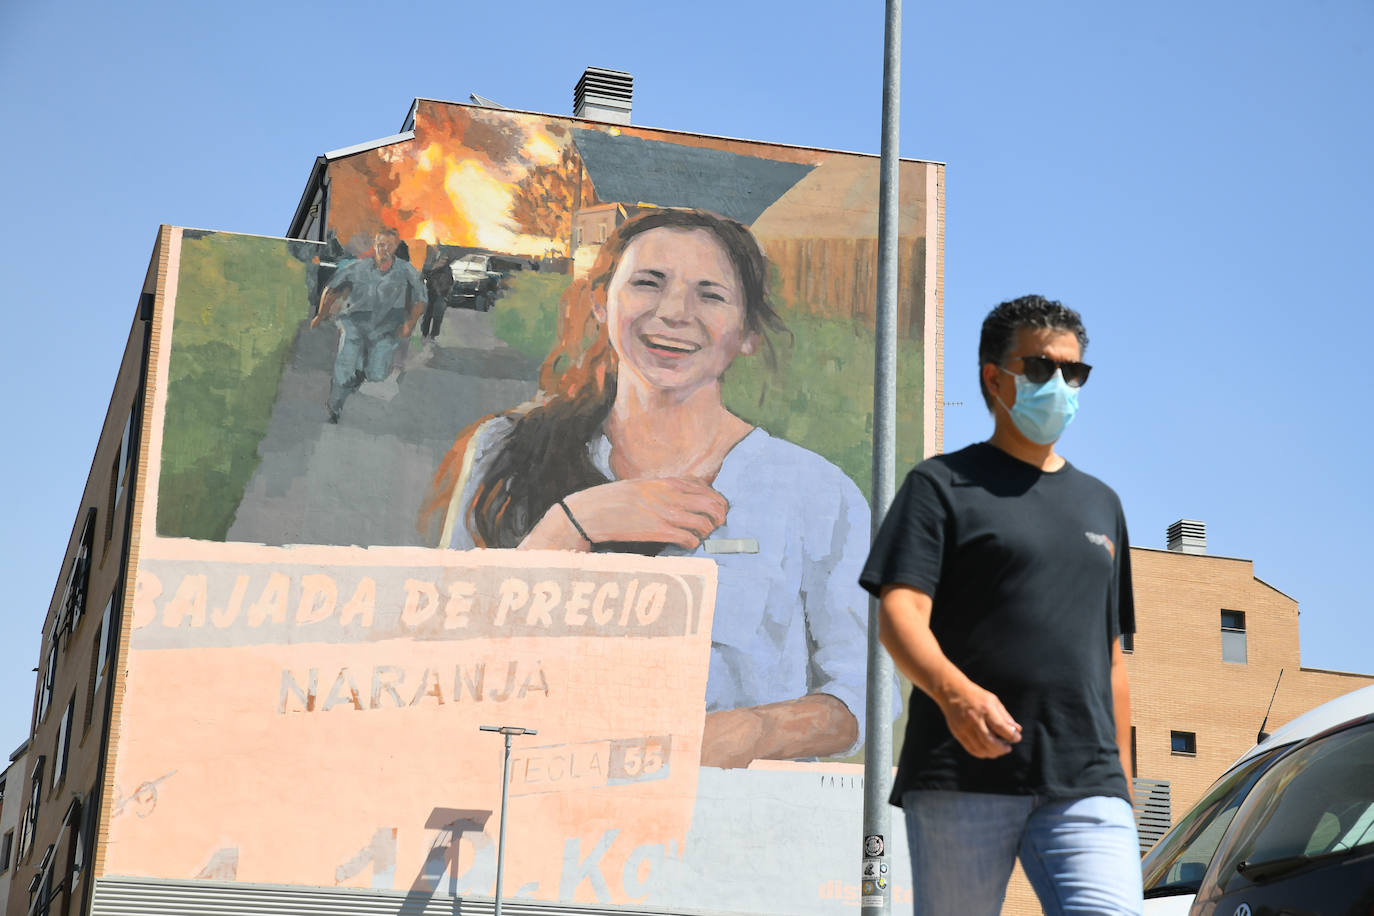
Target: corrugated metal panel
{"type": "Point", "coordinates": [1153, 811]}
{"type": "Point", "coordinates": [152, 897]}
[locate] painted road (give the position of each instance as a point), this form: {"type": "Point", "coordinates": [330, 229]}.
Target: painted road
{"type": "Point", "coordinates": [382, 454]}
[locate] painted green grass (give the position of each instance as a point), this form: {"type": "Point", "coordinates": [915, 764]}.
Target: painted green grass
{"type": "Point", "coordinates": [526, 317]}
{"type": "Point", "coordinates": [239, 301]}
{"type": "Point", "coordinates": [821, 394]}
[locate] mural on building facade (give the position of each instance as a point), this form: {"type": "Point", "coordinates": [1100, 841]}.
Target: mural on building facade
{"type": "Point", "coordinates": [562, 423]}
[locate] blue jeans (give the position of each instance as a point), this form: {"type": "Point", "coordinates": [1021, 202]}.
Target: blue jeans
{"type": "Point", "coordinates": [1081, 855]}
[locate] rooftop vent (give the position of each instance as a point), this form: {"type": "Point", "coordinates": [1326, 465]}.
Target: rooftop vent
{"type": "Point", "coordinates": [1188, 536]}
{"type": "Point", "coordinates": [604, 95]}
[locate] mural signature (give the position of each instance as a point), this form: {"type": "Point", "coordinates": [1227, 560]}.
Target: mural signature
{"type": "Point", "coordinates": [143, 798]}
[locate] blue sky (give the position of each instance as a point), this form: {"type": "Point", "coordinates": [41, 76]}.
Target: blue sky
{"type": "Point", "coordinates": [1195, 178]}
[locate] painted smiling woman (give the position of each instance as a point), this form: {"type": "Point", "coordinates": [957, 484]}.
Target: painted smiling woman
{"type": "Point", "coordinates": [628, 447]}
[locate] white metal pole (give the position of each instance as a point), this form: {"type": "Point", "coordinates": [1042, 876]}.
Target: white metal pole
{"type": "Point", "coordinates": [875, 876]}
{"type": "Point", "coordinates": [501, 839]}
{"type": "Point", "coordinates": [509, 732]}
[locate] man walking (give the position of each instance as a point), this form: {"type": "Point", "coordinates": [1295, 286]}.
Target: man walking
{"type": "Point", "coordinates": [382, 297]}
{"type": "Point", "coordinates": [1004, 580]}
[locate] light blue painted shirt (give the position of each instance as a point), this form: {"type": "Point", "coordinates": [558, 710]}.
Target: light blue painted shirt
{"type": "Point", "coordinates": [790, 619]}
{"type": "Point", "coordinates": [378, 300]}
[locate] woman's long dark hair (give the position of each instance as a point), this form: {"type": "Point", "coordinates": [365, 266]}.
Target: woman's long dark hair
{"type": "Point", "coordinates": [543, 457]}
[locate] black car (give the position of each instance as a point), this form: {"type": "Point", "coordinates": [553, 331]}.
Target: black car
{"type": "Point", "coordinates": [1302, 843]}
{"type": "Point", "coordinates": [1176, 865]}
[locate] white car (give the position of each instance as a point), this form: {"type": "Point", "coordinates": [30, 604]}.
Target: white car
{"type": "Point", "coordinates": [1173, 870]}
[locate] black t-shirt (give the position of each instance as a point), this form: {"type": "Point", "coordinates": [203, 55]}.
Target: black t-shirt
{"type": "Point", "coordinates": [1030, 578]}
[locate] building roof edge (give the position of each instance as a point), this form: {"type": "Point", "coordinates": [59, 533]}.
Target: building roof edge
{"type": "Point", "coordinates": [1199, 556]}
{"type": "Point", "coordinates": [311, 184]}
{"type": "Point", "coordinates": [687, 133]}
{"type": "Point", "coordinates": [366, 145]}
{"type": "Point", "coordinates": [19, 751]}
{"type": "Point", "coordinates": [1275, 588]}
{"type": "Point", "coordinates": [1217, 556]}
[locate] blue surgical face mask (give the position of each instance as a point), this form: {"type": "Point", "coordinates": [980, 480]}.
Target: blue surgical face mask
{"type": "Point", "coordinates": [1041, 412]}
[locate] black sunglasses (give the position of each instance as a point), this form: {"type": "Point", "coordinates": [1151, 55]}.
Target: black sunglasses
{"type": "Point", "coordinates": [1039, 369]}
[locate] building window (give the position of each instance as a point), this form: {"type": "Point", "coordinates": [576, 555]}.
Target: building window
{"type": "Point", "coordinates": [1127, 642]}
{"type": "Point", "coordinates": [93, 681]}
{"type": "Point", "coordinates": [1133, 766]}
{"type": "Point", "coordinates": [106, 642]}
{"type": "Point", "coordinates": [76, 847]}
{"type": "Point", "coordinates": [126, 444]}
{"type": "Point", "coordinates": [49, 676]}
{"type": "Point", "coordinates": [1183, 743]}
{"type": "Point", "coordinates": [1233, 637]}
{"type": "Point", "coordinates": [6, 848]}
{"type": "Point", "coordinates": [114, 501]}
{"type": "Point", "coordinates": [78, 577]}
{"type": "Point", "coordinates": [64, 744]}
{"type": "Point", "coordinates": [119, 475]}
{"type": "Point", "coordinates": [40, 888]}
{"type": "Point", "coordinates": [30, 822]}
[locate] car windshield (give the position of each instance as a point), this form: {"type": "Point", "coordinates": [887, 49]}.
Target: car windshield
{"type": "Point", "coordinates": [1177, 863]}
{"type": "Point", "coordinates": [475, 261]}
{"type": "Point", "coordinates": [1315, 804]}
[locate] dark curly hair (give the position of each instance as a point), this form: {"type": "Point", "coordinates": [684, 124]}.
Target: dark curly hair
{"type": "Point", "coordinates": [1034, 312]}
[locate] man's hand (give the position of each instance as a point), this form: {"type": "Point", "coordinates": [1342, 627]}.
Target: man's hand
{"type": "Point", "coordinates": [978, 720]}
{"type": "Point", "coordinates": [328, 300]}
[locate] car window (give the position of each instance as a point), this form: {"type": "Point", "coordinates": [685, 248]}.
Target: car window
{"type": "Point", "coordinates": [1317, 801]}
{"type": "Point", "coordinates": [1177, 863]}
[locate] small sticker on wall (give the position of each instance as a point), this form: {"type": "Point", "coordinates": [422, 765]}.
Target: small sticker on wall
{"type": "Point", "coordinates": [730, 545]}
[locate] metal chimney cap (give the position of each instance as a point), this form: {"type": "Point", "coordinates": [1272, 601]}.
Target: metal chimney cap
{"type": "Point", "coordinates": [604, 95]}
{"type": "Point", "coordinates": [1187, 535]}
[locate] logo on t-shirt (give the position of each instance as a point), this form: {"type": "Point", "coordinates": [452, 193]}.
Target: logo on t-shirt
{"type": "Point", "coordinates": [1102, 540]}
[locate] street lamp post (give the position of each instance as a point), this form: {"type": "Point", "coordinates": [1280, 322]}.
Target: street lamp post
{"type": "Point", "coordinates": [876, 899]}
{"type": "Point", "coordinates": [509, 731]}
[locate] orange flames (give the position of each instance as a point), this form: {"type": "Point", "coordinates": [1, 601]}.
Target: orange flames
{"type": "Point", "coordinates": [470, 177]}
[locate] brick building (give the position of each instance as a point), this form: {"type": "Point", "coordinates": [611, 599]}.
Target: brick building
{"type": "Point", "coordinates": [56, 785]}
{"type": "Point", "coordinates": [1216, 642]}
